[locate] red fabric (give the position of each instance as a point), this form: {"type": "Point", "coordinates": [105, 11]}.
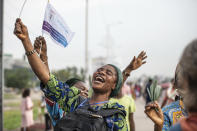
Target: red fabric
{"type": "Point", "coordinates": [190, 123]}
{"type": "Point", "coordinates": [49, 102]}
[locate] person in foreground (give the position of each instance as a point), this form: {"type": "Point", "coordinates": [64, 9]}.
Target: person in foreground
{"type": "Point", "coordinates": [173, 112]}
{"type": "Point", "coordinates": [187, 82]}
{"type": "Point", "coordinates": [129, 104]}
{"type": "Point", "coordinates": [127, 101]}
{"type": "Point", "coordinates": [55, 112]}
{"type": "Point", "coordinates": [106, 83]}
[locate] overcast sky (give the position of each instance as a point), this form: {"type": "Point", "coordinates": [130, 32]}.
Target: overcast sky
{"type": "Point", "coordinates": [160, 27]}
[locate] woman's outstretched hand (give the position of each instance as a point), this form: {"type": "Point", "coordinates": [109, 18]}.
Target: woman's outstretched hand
{"type": "Point", "coordinates": [134, 64]}
{"type": "Point", "coordinates": [139, 61]}
{"type": "Point", "coordinates": [154, 112]}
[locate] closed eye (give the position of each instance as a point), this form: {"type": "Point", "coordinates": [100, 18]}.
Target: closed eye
{"type": "Point", "coordinates": [109, 72]}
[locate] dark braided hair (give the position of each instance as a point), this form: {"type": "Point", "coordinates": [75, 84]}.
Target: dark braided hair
{"type": "Point", "coordinates": [72, 81]}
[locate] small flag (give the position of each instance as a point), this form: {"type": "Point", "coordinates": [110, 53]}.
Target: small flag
{"type": "Point", "coordinates": [55, 26]}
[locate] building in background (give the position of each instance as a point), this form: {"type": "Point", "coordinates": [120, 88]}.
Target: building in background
{"type": "Point", "coordinates": [10, 63]}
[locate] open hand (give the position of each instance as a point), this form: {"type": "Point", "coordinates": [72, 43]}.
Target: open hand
{"type": "Point", "coordinates": [137, 62]}
{"type": "Point", "coordinates": [21, 30]}
{"type": "Point", "coordinates": [154, 112]}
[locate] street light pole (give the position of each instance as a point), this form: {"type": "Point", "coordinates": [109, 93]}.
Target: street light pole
{"type": "Point", "coordinates": [86, 42]}
{"type": "Point", "coordinates": [1, 65]}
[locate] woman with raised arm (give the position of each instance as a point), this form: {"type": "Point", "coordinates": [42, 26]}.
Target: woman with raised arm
{"type": "Point", "coordinates": [126, 101]}
{"type": "Point", "coordinates": [106, 83]}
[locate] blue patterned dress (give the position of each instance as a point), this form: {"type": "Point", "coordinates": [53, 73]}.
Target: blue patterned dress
{"type": "Point", "coordinates": [172, 114]}
{"type": "Point", "coordinates": [66, 97]}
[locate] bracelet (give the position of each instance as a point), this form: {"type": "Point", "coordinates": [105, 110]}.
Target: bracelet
{"type": "Point", "coordinates": [30, 52]}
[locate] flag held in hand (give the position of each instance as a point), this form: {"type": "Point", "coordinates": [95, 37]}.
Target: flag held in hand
{"type": "Point", "coordinates": [55, 27]}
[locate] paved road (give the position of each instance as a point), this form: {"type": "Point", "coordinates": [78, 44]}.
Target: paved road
{"type": "Point", "coordinates": [142, 123]}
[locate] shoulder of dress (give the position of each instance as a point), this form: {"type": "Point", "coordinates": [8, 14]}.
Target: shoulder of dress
{"type": "Point", "coordinates": [171, 106]}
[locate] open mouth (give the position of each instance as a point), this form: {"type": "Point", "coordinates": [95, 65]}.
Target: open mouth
{"type": "Point", "coordinates": [99, 79]}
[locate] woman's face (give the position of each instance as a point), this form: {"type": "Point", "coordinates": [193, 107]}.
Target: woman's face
{"type": "Point", "coordinates": [104, 79]}
{"type": "Point", "coordinates": [82, 87]}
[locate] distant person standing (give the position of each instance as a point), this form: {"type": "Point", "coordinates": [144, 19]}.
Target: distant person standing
{"type": "Point", "coordinates": [48, 123]}
{"type": "Point", "coordinates": [146, 90]}
{"type": "Point", "coordinates": [26, 111]}
{"type": "Point", "coordinates": [126, 90]}
{"type": "Point", "coordinates": [132, 89]}
{"type": "Point", "coordinates": [170, 95]}
{"type": "Point", "coordinates": [137, 90]}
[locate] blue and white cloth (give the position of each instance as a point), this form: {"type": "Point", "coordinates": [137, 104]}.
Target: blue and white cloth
{"type": "Point", "coordinates": [55, 26]}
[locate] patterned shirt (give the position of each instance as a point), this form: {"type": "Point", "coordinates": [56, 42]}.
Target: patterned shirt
{"type": "Point", "coordinates": [172, 114]}
{"type": "Point", "coordinates": [55, 112]}
{"type": "Point", "coordinates": [67, 96]}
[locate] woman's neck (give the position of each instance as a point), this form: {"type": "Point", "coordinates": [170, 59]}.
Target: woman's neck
{"type": "Point", "coordinates": [98, 98]}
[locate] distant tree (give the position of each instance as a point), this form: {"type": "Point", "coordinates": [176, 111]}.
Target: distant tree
{"type": "Point", "coordinates": [19, 78]}
{"type": "Point", "coordinates": [82, 74]}
{"type": "Point", "coordinates": [69, 72]}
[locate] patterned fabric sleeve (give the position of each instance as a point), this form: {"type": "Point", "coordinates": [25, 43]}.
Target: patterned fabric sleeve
{"type": "Point", "coordinates": [166, 124]}
{"type": "Point", "coordinates": [117, 123]}
{"type": "Point", "coordinates": [61, 93]}
{"type": "Point", "coordinates": [55, 113]}
{"type": "Point", "coordinates": [120, 124]}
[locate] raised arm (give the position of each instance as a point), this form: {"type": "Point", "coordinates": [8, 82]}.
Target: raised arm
{"type": "Point", "coordinates": [135, 64]}
{"type": "Point", "coordinates": [59, 92]}
{"type": "Point", "coordinates": [41, 48]}
{"type": "Point", "coordinates": [35, 62]}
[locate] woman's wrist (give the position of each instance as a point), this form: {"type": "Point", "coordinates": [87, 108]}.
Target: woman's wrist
{"type": "Point", "coordinates": [128, 70]}
{"type": "Point", "coordinates": [26, 40]}
{"type": "Point", "coordinates": [158, 127]}
{"type": "Point", "coordinates": [27, 45]}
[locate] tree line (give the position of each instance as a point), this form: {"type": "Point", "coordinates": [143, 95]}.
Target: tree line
{"type": "Point", "coordinates": [25, 78]}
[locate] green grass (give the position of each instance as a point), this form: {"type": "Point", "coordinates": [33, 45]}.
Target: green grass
{"type": "Point", "coordinates": [17, 104]}
{"type": "Point", "coordinates": [12, 104]}
{"type": "Point", "coordinates": [35, 112]}
{"type": "Point", "coordinates": [12, 119]}
{"type": "Point", "coordinates": [9, 96]}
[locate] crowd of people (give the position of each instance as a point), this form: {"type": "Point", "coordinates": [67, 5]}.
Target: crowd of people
{"type": "Point", "coordinates": [110, 106]}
